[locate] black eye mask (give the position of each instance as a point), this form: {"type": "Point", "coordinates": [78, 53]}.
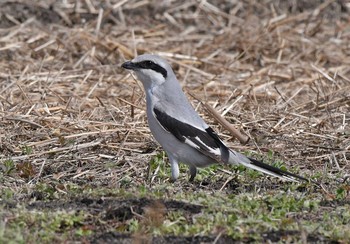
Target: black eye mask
{"type": "Point", "coordinates": [147, 64]}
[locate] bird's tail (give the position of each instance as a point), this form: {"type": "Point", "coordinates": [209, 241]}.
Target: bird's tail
{"type": "Point", "coordinates": [237, 158]}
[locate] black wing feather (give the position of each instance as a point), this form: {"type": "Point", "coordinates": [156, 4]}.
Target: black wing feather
{"type": "Point", "coordinates": [183, 131]}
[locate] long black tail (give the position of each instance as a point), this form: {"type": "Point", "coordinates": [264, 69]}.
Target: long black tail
{"type": "Point", "coordinates": [277, 171]}
{"type": "Point", "coordinates": [237, 158]}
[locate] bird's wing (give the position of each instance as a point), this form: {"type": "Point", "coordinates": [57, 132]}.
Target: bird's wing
{"type": "Point", "coordinates": [208, 142]}
{"type": "Point", "coordinates": [204, 140]}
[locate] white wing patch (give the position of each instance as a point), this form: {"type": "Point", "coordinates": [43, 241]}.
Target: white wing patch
{"type": "Point", "coordinates": [205, 141]}
{"type": "Point", "coordinates": [198, 144]}
{"type": "Point", "coordinates": [215, 151]}
{"type": "Point", "coordinates": [191, 143]}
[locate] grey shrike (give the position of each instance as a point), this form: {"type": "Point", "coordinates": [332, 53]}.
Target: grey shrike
{"type": "Point", "coordinates": [179, 129]}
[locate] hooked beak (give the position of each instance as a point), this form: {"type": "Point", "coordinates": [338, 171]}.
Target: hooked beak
{"type": "Point", "coordinates": [129, 65]}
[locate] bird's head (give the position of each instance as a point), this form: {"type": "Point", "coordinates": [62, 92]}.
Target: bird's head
{"type": "Point", "coordinates": [150, 69]}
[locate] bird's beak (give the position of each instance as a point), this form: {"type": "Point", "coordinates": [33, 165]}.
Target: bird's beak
{"type": "Point", "coordinates": [129, 65]}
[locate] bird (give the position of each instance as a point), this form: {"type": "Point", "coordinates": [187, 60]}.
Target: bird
{"type": "Point", "coordinates": [179, 129]}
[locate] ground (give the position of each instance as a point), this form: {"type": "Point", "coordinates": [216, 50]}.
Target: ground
{"type": "Point", "coordinates": [78, 162]}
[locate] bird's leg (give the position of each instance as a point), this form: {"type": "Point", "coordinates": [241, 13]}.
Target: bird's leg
{"type": "Point", "coordinates": [175, 172]}
{"type": "Point", "coordinates": [193, 172]}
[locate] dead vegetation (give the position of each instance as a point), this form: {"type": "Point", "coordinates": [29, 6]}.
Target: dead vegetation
{"type": "Point", "coordinates": [278, 70]}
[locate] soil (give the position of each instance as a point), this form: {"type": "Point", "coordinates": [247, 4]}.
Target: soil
{"type": "Point", "coordinates": [113, 210]}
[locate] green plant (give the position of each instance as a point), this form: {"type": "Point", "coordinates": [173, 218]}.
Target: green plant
{"type": "Point", "coordinates": [27, 150]}
{"type": "Point", "coordinates": [9, 166]}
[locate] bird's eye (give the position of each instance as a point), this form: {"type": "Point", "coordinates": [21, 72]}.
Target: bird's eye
{"type": "Point", "coordinates": [149, 63]}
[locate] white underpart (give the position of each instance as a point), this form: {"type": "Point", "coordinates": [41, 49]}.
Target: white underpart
{"type": "Point", "coordinates": [157, 78]}
{"type": "Point", "coordinates": [150, 78]}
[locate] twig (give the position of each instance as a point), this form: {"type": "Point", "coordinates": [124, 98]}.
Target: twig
{"type": "Point", "coordinates": [243, 139]}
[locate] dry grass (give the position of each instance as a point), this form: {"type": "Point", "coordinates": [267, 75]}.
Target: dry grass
{"type": "Point", "coordinates": [279, 71]}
